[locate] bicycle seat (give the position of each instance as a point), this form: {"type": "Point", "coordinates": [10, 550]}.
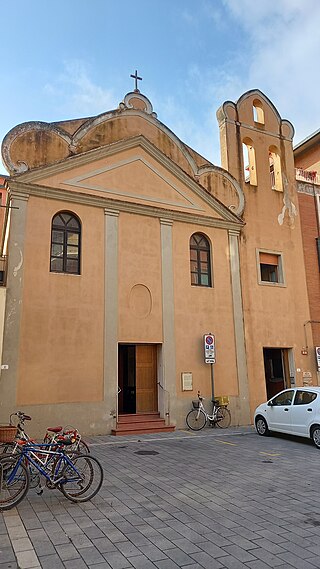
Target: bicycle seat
{"type": "Point", "coordinates": [54, 429]}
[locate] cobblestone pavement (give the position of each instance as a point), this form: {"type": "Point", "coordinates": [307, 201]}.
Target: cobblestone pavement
{"type": "Point", "coordinates": [214, 499]}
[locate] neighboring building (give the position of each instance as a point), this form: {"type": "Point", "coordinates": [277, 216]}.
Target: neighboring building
{"type": "Point", "coordinates": [307, 163]}
{"type": "Point", "coordinates": [126, 247]}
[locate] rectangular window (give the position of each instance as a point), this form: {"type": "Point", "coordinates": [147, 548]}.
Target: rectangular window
{"type": "Point", "coordinates": [270, 268]}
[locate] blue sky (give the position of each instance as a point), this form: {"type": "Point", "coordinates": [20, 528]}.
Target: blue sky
{"type": "Point", "coordinates": [73, 58]}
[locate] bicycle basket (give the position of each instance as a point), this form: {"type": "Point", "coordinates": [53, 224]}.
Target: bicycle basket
{"type": "Point", "coordinates": [196, 404]}
{"type": "Point", "coordinates": [223, 400]}
{"type": "Point", "coordinates": [7, 433]}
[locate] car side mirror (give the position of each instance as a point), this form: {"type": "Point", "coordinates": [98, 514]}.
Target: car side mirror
{"type": "Point", "coordinates": [270, 403]}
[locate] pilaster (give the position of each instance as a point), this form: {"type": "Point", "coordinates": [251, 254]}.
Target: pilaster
{"type": "Point", "coordinates": [14, 303]}
{"type": "Point", "coordinates": [244, 407]}
{"type": "Point", "coordinates": [111, 310]}
{"type": "Point", "coordinates": [168, 348]}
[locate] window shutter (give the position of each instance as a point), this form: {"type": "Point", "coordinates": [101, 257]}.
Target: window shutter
{"type": "Point", "coordinates": [269, 259]}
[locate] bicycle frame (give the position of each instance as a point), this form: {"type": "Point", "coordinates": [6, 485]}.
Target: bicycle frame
{"type": "Point", "coordinates": [202, 409]}
{"type": "Point", "coordinates": [29, 454]}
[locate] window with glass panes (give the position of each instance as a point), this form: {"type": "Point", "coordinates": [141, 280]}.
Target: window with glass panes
{"type": "Point", "coordinates": [200, 266]}
{"type": "Point", "coordinates": [65, 244]}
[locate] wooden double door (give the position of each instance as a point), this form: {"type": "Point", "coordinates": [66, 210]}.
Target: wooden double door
{"type": "Point", "coordinates": [137, 378]}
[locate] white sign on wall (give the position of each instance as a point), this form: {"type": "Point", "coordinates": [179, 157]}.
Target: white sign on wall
{"type": "Point", "coordinates": [209, 349]}
{"type": "Point", "coordinates": [187, 381]}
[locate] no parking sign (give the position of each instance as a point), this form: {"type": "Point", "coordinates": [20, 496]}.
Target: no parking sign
{"type": "Point", "coordinates": [209, 349]}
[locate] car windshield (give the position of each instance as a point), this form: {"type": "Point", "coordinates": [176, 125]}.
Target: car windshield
{"type": "Point", "coordinates": [284, 398]}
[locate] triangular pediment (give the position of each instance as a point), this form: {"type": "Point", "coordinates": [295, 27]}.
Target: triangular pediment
{"type": "Point", "coordinates": [131, 171]}
{"type": "Point", "coordinates": [139, 179]}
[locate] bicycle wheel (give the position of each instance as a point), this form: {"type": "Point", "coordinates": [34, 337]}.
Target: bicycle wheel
{"type": "Point", "coordinates": [14, 481]}
{"type": "Point", "coordinates": [82, 447]}
{"type": "Point", "coordinates": [83, 478]}
{"type": "Point", "coordinates": [223, 419]}
{"type": "Point", "coordinates": [7, 448]}
{"type": "Point", "coordinates": [196, 420]}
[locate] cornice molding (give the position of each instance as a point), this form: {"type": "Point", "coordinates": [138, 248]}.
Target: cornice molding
{"type": "Point", "coordinates": [113, 205]}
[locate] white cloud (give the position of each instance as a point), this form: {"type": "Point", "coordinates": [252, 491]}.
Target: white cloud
{"type": "Point", "coordinates": [283, 60]}
{"type": "Point", "coordinates": [76, 94]}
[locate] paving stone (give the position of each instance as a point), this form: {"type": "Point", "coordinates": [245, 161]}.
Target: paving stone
{"type": "Point", "coordinates": [116, 560]}
{"type": "Point", "coordinates": [27, 559]}
{"type": "Point", "coordinates": [142, 562]}
{"type": "Point", "coordinates": [128, 549]}
{"type": "Point", "coordinates": [206, 561]}
{"type": "Point", "coordinates": [7, 555]}
{"type": "Point", "coordinates": [138, 539]}
{"type": "Point", "coordinates": [166, 564]}
{"type": "Point", "coordinates": [152, 552]}
{"type": "Point", "coordinates": [104, 545]}
{"type": "Point", "coordinates": [80, 540]}
{"type": "Point", "coordinates": [67, 551]}
{"type": "Point", "coordinates": [296, 562]}
{"type": "Point", "coordinates": [58, 538]}
{"type": "Point", "coordinates": [4, 540]}
{"type": "Point", "coordinates": [232, 563]}
{"type": "Point", "coordinates": [103, 565]}
{"type": "Point", "coordinates": [51, 562]}
{"type": "Point", "coordinates": [261, 565]}
{"type": "Point", "coordinates": [91, 555]}
{"type": "Point", "coordinates": [76, 564]}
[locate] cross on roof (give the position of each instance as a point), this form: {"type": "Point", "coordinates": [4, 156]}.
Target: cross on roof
{"type": "Point", "coordinates": [136, 78]}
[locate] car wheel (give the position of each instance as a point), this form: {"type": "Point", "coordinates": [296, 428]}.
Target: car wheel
{"type": "Point", "coordinates": [315, 435]}
{"type": "Point", "coordinates": [262, 426]}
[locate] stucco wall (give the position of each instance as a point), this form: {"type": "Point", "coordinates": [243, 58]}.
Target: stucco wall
{"type": "Point", "coordinates": [62, 315]}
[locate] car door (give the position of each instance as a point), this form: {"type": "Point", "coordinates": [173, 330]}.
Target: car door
{"type": "Point", "coordinates": [303, 410]}
{"type": "Point", "coordinates": [279, 411]}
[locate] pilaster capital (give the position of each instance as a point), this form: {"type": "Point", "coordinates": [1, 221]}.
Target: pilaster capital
{"type": "Point", "coordinates": [233, 232]}
{"type": "Point", "coordinates": [165, 221]}
{"type": "Point", "coordinates": [20, 196]}
{"type": "Point", "coordinates": [111, 212]}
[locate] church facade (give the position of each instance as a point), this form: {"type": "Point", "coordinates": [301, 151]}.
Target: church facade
{"type": "Point", "coordinates": [126, 247]}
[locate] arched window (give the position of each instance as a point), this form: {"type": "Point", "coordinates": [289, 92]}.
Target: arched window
{"type": "Point", "coordinates": [200, 264]}
{"type": "Point", "coordinates": [258, 112]}
{"type": "Point", "coordinates": [275, 169]}
{"type": "Point", "coordinates": [65, 243]}
{"type": "Point", "coordinates": [249, 162]}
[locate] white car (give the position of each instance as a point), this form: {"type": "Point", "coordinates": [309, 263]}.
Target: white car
{"type": "Point", "coordinates": [294, 411]}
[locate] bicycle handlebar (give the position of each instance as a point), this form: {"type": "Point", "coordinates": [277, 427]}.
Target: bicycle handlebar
{"type": "Point", "coordinates": [21, 416]}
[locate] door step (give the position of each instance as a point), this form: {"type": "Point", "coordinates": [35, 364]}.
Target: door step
{"type": "Point", "coordinates": [140, 424]}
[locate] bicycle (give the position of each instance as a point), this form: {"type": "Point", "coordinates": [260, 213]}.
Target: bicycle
{"type": "Point", "coordinates": [52, 435]}
{"type": "Point", "coordinates": [197, 418]}
{"type": "Point", "coordinates": [78, 476]}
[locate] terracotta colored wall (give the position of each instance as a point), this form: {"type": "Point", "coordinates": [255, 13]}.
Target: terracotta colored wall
{"type": "Point", "coordinates": [61, 350]}
{"type": "Point", "coordinates": [140, 310]}
{"type": "Point", "coordinates": [274, 315]}
{"type": "Point", "coordinates": [201, 310]}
